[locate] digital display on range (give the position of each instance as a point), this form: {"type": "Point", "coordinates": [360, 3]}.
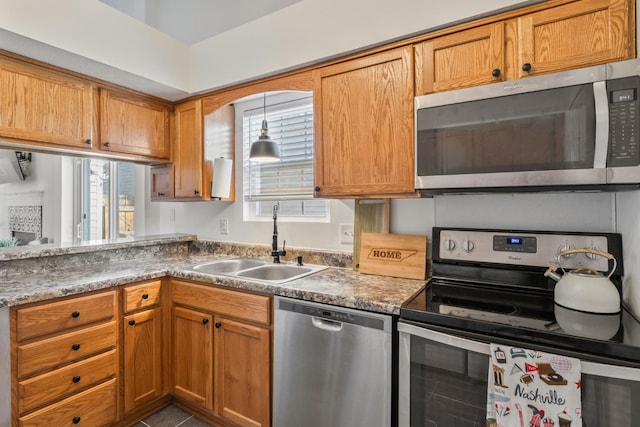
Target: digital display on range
{"type": "Point", "coordinates": [525, 244]}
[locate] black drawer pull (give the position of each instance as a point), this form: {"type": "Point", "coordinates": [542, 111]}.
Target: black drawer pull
{"type": "Point", "coordinates": [205, 321]}
{"type": "Point", "coordinates": [526, 67]}
{"type": "Point", "coordinates": [196, 192]}
{"type": "Point", "coordinates": [132, 322]}
{"type": "Point", "coordinates": [75, 347]}
{"type": "Point", "coordinates": [316, 189]}
{"type": "Point", "coordinates": [496, 72]}
{"type": "Point", "coordinates": [76, 379]}
{"type": "Point", "coordinates": [106, 145]}
{"type": "Point", "coordinates": [145, 296]}
{"type": "Point", "coordinates": [218, 324]}
{"type": "Point", "coordinates": [76, 420]}
{"type": "Point", "coordinates": [160, 194]}
{"type": "Point", "coordinates": [75, 314]}
{"type": "Point", "coordinates": [87, 141]}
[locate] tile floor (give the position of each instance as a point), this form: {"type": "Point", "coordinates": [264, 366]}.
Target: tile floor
{"type": "Point", "coordinates": [171, 416]}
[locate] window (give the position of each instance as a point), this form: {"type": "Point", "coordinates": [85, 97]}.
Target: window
{"type": "Point", "coordinates": [290, 181]}
{"type": "Point", "coordinates": [106, 199]}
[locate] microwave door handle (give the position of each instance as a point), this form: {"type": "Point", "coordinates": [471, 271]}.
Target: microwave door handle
{"type": "Point", "coordinates": [602, 124]}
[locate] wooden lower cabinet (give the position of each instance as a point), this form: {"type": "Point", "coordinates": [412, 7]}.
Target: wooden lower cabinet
{"type": "Point", "coordinates": [142, 373]}
{"type": "Point", "coordinates": [222, 362]}
{"type": "Point", "coordinates": [193, 356]}
{"type": "Point", "coordinates": [242, 379]}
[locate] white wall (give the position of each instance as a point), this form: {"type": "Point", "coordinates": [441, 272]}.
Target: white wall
{"type": "Point", "coordinates": [84, 34]}
{"type": "Point", "coordinates": [42, 187]}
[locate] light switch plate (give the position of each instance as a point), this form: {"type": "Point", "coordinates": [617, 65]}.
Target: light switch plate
{"type": "Point", "coordinates": [224, 226]}
{"type": "Point", "coordinates": [346, 233]}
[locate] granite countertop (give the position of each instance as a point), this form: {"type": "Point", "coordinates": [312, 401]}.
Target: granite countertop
{"type": "Point", "coordinates": [336, 286]}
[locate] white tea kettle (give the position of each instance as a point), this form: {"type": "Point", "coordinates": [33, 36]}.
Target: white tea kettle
{"type": "Point", "coordinates": [585, 289]}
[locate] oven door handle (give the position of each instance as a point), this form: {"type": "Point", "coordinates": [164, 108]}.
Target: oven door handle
{"type": "Point", "coordinates": [452, 340]}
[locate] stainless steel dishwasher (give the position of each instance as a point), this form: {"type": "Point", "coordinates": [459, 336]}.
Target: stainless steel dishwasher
{"type": "Point", "coordinates": [332, 366]}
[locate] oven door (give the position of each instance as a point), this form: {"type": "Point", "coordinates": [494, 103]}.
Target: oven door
{"type": "Point", "coordinates": [443, 383]}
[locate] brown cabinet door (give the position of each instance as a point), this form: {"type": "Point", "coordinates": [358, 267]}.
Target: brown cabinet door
{"type": "Point", "coordinates": [188, 151]}
{"type": "Point", "coordinates": [364, 126]}
{"type": "Point", "coordinates": [142, 358]}
{"type": "Point", "coordinates": [133, 125]}
{"type": "Point", "coordinates": [243, 372]}
{"type": "Point", "coordinates": [466, 58]}
{"type": "Point", "coordinates": [45, 107]}
{"type": "Point", "coordinates": [161, 185]}
{"type": "Point", "coordinates": [575, 35]}
{"type": "Point", "coordinates": [193, 356]}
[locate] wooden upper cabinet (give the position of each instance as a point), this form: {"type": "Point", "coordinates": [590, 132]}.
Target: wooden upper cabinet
{"type": "Point", "coordinates": [575, 35]}
{"type": "Point", "coordinates": [363, 121]}
{"type": "Point", "coordinates": [188, 152]}
{"type": "Point", "coordinates": [44, 106]}
{"type": "Point", "coordinates": [133, 125]}
{"type": "Point", "coordinates": [466, 58]}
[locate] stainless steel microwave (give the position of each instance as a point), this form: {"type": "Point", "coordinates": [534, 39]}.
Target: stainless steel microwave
{"type": "Point", "coordinates": [574, 130]}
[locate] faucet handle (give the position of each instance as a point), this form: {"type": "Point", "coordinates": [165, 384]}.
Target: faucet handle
{"type": "Point", "coordinates": [284, 252]}
{"type": "Point", "coordinates": [299, 260]}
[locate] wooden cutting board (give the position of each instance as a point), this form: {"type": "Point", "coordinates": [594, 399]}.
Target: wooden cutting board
{"type": "Point", "coordinates": [397, 255]}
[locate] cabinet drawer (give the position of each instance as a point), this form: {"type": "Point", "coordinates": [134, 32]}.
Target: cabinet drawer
{"type": "Point", "coordinates": [45, 388]}
{"type": "Point", "coordinates": [50, 352]}
{"type": "Point", "coordinates": [142, 295]}
{"type": "Point", "coordinates": [91, 408]}
{"type": "Point", "coordinates": [57, 316]}
{"type": "Point", "coordinates": [256, 308]}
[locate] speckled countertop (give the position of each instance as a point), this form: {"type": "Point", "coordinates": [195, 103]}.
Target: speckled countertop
{"type": "Point", "coordinates": [336, 286]}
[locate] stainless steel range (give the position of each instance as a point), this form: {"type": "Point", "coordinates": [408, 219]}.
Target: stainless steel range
{"type": "Point", "coordinates": [488, 286]}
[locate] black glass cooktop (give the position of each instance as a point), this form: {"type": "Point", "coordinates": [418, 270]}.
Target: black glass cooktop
{"type": "Point", "coordinates": [525, 314]}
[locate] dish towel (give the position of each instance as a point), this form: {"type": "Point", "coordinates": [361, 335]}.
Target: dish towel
{"type": "Point", "coordinates": [530, 388]}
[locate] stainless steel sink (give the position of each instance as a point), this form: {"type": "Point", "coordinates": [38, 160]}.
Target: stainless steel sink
{"type": "Point", "coordinates": [277, 272]}
{"type": "Point", "coordinates": [227, 266]}
{"type": "Point", "coordinates": [254, 269]}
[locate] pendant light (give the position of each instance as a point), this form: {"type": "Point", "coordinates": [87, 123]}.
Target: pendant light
{"type": "Point", "coordinates": [264, 149]}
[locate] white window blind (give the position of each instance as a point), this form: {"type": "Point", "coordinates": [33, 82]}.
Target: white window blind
{"type": "Point", "coordinates": [289, 181]}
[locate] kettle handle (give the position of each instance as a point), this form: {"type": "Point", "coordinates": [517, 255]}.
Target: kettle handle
{"type": "Point", "coordinates": [588, 251]}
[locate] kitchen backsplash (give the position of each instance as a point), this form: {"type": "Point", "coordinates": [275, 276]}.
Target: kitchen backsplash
{"type": "Point", "coordinates": [26, 219]}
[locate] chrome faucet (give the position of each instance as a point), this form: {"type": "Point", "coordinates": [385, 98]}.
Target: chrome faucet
{"type": "Point", "coordinates": [275, 253]}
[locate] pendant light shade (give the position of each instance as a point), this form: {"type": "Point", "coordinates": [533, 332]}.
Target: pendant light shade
{"type": "Point", "coordinates": [264, 149]}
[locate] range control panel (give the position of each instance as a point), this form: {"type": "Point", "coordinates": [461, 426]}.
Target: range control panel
{"type": "Point", "coordinates": [522, 248]}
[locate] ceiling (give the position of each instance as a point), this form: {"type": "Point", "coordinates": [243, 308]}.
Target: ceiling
{"type": "Point", "coordinates": [191, 21]}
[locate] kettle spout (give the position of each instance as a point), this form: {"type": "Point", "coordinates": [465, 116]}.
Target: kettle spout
{"type": "Point", "coordinates": [551, 272]}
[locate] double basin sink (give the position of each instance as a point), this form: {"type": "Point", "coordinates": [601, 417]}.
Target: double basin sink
{"type": "Point", "coordinates": [255, 269]}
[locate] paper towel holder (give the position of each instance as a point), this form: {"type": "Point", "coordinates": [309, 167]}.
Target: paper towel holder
{"type": "Point", "coordinates": [221, 182]}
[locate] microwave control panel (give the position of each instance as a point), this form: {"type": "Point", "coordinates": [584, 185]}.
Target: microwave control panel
{"type": "Point", "coordinates": [624, 110]}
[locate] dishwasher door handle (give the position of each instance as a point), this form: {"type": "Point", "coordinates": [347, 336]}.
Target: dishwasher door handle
{"type": "Point", "coordinates": [327, 325]}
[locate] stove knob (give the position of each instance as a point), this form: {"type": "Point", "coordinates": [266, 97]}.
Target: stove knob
{"type": "Point", "coordinates": [449, 245]}
{"type": "Point", "coordinates": [468, 246]}
{"type": "Point", "coordinates": [591, 256]}
{"type": "Point", "coordinates": [566, 247]}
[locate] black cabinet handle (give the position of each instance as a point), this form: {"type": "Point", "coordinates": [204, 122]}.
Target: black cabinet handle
{"type": "Point", "coordinates": [145, 296]}
{"type": "Point", "coordinates": [526, 67]}
{"type": "Point", "coordinates": [75, 347]}
{"type": "Point", "coordinates": [160, 194]}
{"type": "Point", "coordinates": [205, 321]}
{"type": "Point", "coordinates": [106, 145]}
{"type": "Point", "coordinates": [75, 314]}
{"type": "Point", "coordinates": [132, 322]}
{"type": "Point", "coordinates": [76, 420]}
{"type": "Point", "coordinates": [218, 324]}
{"type": "Point", "coordinates": [87, 141]}
{"type": "Point", "coordinates": [496, 72]}
{"type": "Point", "coordinates": [196, 192]}
{"type": "Point", "coordinates": [76, 379]}
{"type": "Point", "coordinates": [316, 188]}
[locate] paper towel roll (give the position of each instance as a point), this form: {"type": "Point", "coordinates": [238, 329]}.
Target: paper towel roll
{"type": "Point", "coordinates": [221, 184]}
